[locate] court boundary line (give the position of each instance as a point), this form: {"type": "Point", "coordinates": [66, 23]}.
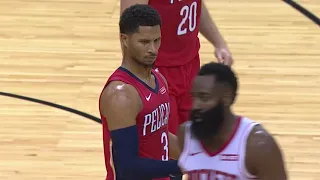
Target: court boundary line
{"type": "Point", "coordinates": [303, 11]}
{"type": "Point", "coordinates": [54, 105]}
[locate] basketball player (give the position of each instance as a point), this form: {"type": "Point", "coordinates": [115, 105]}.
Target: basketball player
{"type": "Point", "coordinates": [135, 107]}
{"type": "Point", "coordinates": [218, 144]}
{"type": "Point", "coordinates": [178, 58]}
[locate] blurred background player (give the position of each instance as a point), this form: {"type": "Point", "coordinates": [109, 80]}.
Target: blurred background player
{"type": "Point", "coordinates": [178, 59]}
{"type": "Point", "coordinates": [134, 105]}
{"type": "Point", "coordinates": [219, 144]}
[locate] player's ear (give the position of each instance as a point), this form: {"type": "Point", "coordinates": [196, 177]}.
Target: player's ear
{"type": "Point", "coordinates": [227, 97]}
{"type": "Point", "coordinates": [124, 39]}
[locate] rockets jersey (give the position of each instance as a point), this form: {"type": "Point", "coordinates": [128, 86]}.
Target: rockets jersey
{"type": "Point", "coordinates": [152, 120]}
{"type": "Point", "coordinates": [227, 163]}
{"type": "Point", "coordinates": [180, 27]}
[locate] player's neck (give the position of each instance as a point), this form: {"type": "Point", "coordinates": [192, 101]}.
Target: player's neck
{"type": "Point", "coordinates": [227, 127]}
{"type": "Point", "coordinates": [224, 134]}
{"type": "Point", "coordinates": [139, 70]}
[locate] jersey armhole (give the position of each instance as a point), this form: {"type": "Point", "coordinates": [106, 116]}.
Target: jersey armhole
{"type": "Point", "coordinates": [243, 150]}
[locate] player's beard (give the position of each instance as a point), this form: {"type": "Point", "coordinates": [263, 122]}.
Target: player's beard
{"type": "Point", "coordinates": [207, 124]}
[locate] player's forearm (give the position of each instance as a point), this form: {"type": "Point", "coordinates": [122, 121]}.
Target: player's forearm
{"type": "Point", "coordinates": [174, 148]}
{"type": "Point", "coordinates": [209, 29]}
{"type": "Point", "coordinates": [128, 162]}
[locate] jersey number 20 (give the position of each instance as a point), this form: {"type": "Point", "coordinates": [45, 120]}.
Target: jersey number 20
{"type": "Point", "coordinates": [165, 142]}
{"type": "Point", "coordinates": [188, 13]}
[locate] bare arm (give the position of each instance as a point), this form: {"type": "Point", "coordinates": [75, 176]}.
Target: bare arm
{"type": "Point", "coordinates": [120, 104]}
{"type": "Point", "coordinates": [174, 148]}
{"type": "Point", "coordinates": [264, 158]}
{"type": "Point", "coordinates": [124, 4]}
{"type": "Point", "coordinates": [209, 29]}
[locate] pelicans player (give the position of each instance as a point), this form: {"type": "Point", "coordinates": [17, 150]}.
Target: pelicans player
{"type": "Point", "coordinates": [218, 144]}
{"type": "Point", "coordinates": [135, 106]}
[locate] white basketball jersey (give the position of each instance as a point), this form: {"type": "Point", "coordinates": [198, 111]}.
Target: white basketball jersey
{"type": "Point", "coordinates": [228, 163]}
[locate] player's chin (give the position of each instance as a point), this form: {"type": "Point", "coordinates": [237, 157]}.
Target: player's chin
{"type": "Point", "coordinates": [150, 58]}
{"type": "Point", "coordinates": [150, 63]}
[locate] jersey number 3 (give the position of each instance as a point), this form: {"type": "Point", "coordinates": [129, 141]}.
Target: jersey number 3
{"type": "Point", "coordinates": [165, 142]}
{"type": "Point", "coordinates": [188, 13]}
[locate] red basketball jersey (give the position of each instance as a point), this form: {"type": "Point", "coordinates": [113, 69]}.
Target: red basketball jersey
{"type": "Point", "coordinates": [180, 27]}
{"type": "Point", "coordinates": [152, 121]}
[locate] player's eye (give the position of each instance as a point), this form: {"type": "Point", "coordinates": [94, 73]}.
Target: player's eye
{"type": "Point", "coordinates": [144, 41]}
{"type": "Point", "coordinates": [204, 98]}
{"type": "Point", "coordinates": [157, 40]}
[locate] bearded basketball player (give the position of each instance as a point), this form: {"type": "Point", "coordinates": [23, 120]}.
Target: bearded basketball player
{"type": "Point", "coordinates": [218, 144]}
{"type": "Point", "coordinates": [135, 105]}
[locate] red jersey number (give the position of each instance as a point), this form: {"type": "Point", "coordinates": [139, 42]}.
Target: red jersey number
{"type": "Point", "coordinates": [165, 143]}
{"type": "Point", "coordinates": [189, 16]}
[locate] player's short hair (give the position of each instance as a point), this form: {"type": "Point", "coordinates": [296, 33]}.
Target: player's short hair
{"type": "Point", "coordinates": [138, 15]}
{"type": "Point", "coordinates": [223, 74]}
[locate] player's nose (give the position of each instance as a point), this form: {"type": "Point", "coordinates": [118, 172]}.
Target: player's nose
{"type": "Point", "coordinates": [195, 104]}
{"type": "Point", "coordinates": [152, 48]}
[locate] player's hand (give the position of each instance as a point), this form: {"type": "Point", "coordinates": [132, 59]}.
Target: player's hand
{"type": "Point", "coordinates": [224, 56]}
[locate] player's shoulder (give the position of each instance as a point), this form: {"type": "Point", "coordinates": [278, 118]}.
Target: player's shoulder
{"type": "Point", "coordinates": [261, 149]}
{"type": "Point", "coordinates": [259, 136]}
{"type": "Point", "coordinates": [182, 132]}
{"type": "Point", "coordinates": [182, 127]}
{"type": "Point", "coordinates": [260, 141]}
{"type": "Point", "coordinates": [115, 88]}
{"type": "Point", "coordinates": [119, 93]}
{"type": "Point", "coordinates": [186, 124]}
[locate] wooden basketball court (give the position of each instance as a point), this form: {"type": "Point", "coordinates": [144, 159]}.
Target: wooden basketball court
{"type": "Point", "coordinates": [63, 52]}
